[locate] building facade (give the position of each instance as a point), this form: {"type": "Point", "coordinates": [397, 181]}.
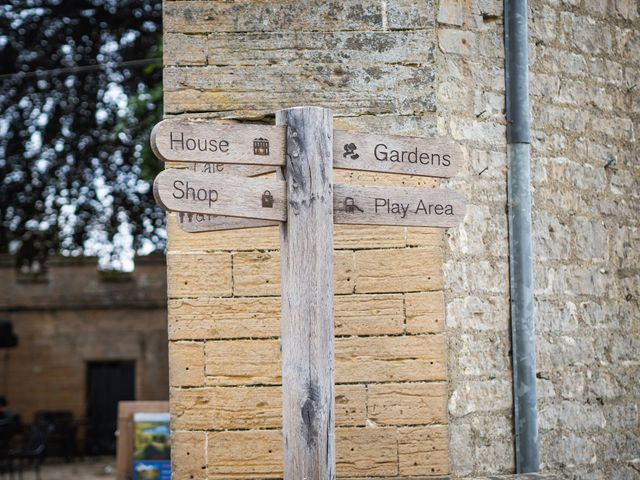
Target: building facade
{"type": "Point", "coordinates": [86, 339]}
{"type": "Point", "coordinates": [423, 347]}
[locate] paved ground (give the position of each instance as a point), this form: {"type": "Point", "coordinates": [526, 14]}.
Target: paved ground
{"type": "Point", "coordinates": [103, 468]}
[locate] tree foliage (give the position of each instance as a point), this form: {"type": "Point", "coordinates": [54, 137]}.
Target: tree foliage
{"type": "Point", "coordinates": [80, 87]}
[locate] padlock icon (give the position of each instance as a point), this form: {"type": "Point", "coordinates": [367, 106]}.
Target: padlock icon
{"type": "Point", "coordinates": [267, 199]}
{"type": "Point", "coordinates": [350, 205]}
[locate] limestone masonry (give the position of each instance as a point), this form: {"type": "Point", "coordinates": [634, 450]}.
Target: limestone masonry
{"type": "Point", "coordinates": [422, 322]}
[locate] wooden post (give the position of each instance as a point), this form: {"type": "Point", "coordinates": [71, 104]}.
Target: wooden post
{"type": "Point", "coordinates": [306, 240]}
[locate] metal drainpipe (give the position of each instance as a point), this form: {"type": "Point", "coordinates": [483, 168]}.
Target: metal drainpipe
{"type": "Point", "coordinates": [520, 254]}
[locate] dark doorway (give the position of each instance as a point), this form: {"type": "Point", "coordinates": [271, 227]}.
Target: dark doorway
{"type": "Point", "coordinates": [107, 384]}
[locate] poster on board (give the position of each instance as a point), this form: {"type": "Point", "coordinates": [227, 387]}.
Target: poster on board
{"type": "Point", "coordinates": [152, 448]}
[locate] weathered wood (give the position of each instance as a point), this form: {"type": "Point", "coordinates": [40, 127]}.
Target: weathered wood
{"type": "Point", "coordinates": [231, 169]}
{"type": "Point", "coordinates": [373, 205]}
{"type": "Point", "coordinates": [189, 140]}
{"type": "Point", "coordinates": [307, 296]}
{"type": "Point", "coordinates": [430, 157]}
{"type": "Point", "coordinates": [198, 222]}
{"type": "Point", "coordinates": [185, 191]}
{"type": "Point", "coordinates": [192, 223]}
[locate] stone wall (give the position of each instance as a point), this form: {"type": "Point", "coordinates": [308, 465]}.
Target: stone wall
{"type": "Point", "coordinates": [374, 65]}
{"type": "Point", "coordinates": [426, 69]}
{"type": "Point", "coordinates": [585, 59]}
{"type": "Point", "coordinates": [72, 314]}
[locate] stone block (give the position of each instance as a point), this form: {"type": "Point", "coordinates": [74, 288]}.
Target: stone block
{"type": "Point", "coordinates": [424, 237]}
{"type": "Point", "coordinates": [316, 15]}
{"type": "Point", "coordinates": [253, 91]}
{"type": "Point", "coordinates": [410, 15]}
{"type": "Point", "coordinates": [186, 364]}
{"type": "Point", "coordinates": [460, 446]}
{"type": "Point", "coordinates": [366, 451]}
{"type": "Point", "coordinates": [544, 24]}
{"type": "Point", "coordinates": [451, 12]}
{"type": "Point", "coordinates": [592, 241]}
{"type": "Point", "coordinates": [367, 48]}
{"type": "Point", "coordinates": [406, 270]}
{"type": "Point", "coordinates": [242, 362]}
{"type": "Point", "coordinates": [475, 312]}
{"type": "Point", "coordinates": [407, 404]}
{"type": "Point", "coordinates": [554, 316]}
{"type": "Point", "coordinates": [188, 455]}
{"type": "Point", "coordinates": [369, 314]}
{"type": "Point", "coordinates": [483, 354]}
{"type": "Point", "coordinates": [180, 49]}
{"type": "Point", "coordinates": [358, 359]}
{"type": "Point", "coordinates": [424, 312]}
{"type": "Point", "coordinates": [220, 318]}
{"type": "Point", "coordinates": [196, 274]}
{"type": "Point", "coordinates": [259, 317]}
{"type": "Point", "coordinates": [551, 237]}
{"type": "Point", "coordinates": [480, 396]}
{"type": "Point", "coordinates": [423, 450]}
{"type": "Point", "coordinates": [571, 448]}
{"type": "Point", "coordinates": [562, 351]}
{"type": "Point", "coordinates": [244, 408]}
{"type": "Point", "coordinates": [245, 454]}
{"type": "Point", "coordinates": [390, 359]}
{"type": "Point", "coordinates": [456, 42]}
{"type": "Point", "coordinates": [627, 9]}
{"type": "Point", "coordinates": [258, 273]}
{"type": "Point", "coordinates": [263, 238]}
{"type": "Point", "coordinates": [497, 455]}
{"type": "Point", "coordinates": [352, 237]}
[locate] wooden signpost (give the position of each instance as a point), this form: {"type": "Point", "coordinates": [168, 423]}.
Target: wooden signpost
{"type": "Point", "coordinates": [396, 154]}
{"type": "Point", "coordinates": [306, 203]}
{"type": "Point", "coordinates": [180, 140]}
{"type": "Point", "coordinates": [419, 207]}
{"type": "Point", "coordinates": [186, 191]}
{"type": "Point", "coordinates": [190, 222]}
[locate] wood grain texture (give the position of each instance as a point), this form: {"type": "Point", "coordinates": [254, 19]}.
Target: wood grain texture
{"type": "Point", "coordinates": [191, 223]}
{"type": "Point", "coordinates": [191, 140]}
{"type": "Point", "coordinates": [431, 157]}
{"type": "Point", "coordinates": [198, 222]}
{"type": "Point", "coordinates": [226, 168]}
{"type": "Point", "coordinates": [307, 296]}
{"type": "Point", "coordinates": [373, 205]}
{"type": "Point", "coordinates": [186, 191]}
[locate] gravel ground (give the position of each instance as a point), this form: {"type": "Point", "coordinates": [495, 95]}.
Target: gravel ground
{"type": "Point", "coordinates": [103, 468]}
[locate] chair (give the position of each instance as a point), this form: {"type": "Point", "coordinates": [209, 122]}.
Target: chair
{"type": "Point", "coordinates": [5, 436]}
{"type": "Point", "coordinates": [34, 450]}
{"type": "Point", "coordinates": [62, 435]}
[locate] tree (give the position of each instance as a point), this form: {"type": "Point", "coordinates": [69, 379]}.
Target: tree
{"type": "Point", "coordinates": [80, 86]}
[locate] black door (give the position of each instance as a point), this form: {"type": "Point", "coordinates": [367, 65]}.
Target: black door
{"type": "Point", "coordinates": [107, 384]}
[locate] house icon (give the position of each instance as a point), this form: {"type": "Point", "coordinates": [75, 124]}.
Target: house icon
{"type": "Point", "coordinates": [261, 146]}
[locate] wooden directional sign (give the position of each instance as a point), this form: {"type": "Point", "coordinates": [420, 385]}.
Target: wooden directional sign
{"type": "Point", "coordinates": [182, 140]}
{"type": "Point", "coordinates": [191, 222]}
{"type": "Point", "coordinates": [224, 201]}
{"type": "Point", "coordinates": [357, 205]}
{"type": "Point", "coordinates": [198, 222]}
{"type": "Point", "coordinates": [185, 191]}
{"type": "Point", "coordinates": [231, 169]}
{"type": "Point", "coordinates": [429, 157]}
{"type": "Point", "coordinates": [420, 207]}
